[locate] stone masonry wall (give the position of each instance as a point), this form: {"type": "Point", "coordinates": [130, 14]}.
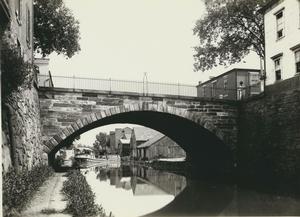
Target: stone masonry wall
{"type": "Point", "coordinates": [64, 111]}
{"type": "Point", "coordinates": [25, 129]}
{"type": "Point", "coordinates": [269, 134]}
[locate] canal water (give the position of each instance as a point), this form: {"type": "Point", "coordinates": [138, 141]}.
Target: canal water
{"type": "Point", "coordinates": [130, 191]}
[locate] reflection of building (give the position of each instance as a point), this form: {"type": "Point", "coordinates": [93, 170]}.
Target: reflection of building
{"type": "Point", "coordinates": [233, 85]}
{"type": "Point", "coordinates": [171, 183]}
{"type": "Point", "coordinates": [282, 39]}
{"type": "Point", "coordinates": [159, 146]}
{"type": "Point", "coordinates": [150, 182]}
{"type": "Point", "coordinates": [142, 187]}
{"type": "Point", "coordinates": [142, 180]}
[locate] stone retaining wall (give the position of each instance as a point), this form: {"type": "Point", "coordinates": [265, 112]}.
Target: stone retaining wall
{"type": "Point", "coordinates": [22, 123]}
{"type": "Point", "coordinates": [269, 132]}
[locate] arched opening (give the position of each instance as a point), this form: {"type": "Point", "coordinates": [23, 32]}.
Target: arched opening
{"type": "Point", "coordinates": [204, 150]}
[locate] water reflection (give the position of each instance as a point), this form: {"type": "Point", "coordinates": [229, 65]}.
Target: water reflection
{"type": "Point", "coordinates": [137, 191]}
{"type": "Point", "coordinates": [133, 191]}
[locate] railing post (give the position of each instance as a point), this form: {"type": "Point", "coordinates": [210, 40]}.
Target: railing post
{"type": "Point", "coordinates": [73, 81]}
{"type": "Point", "coordinates": [109, 85]}
{"type": "Point", "coordinates": [178, 87]}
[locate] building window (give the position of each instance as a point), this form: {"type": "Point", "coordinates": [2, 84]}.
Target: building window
{"type": "Point", "coordinates": [28, 27]}
{"type": "Point", "coordinates": [297, 61]}
{"type": "Point", "coordinates": [213, 88]}
{"type": "Point", "coordinates": [277, 63]}
{"type": "Point", "coordinates": [225, 82]}
{"type": "Point", "coordinates": [280, 24]}
{"type": "Point", "coordinates": [204, 90]}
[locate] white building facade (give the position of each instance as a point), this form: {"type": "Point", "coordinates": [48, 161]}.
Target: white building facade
{"type": "Point", "coordinates": [282, 40]}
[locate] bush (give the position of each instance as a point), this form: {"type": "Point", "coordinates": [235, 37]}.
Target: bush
{"type": "Point", "coordinates": [15, 71]}
{"type": "Point", "coordinates": [18, 188]}
{"type": "Point", "coordinates": [80, 197]}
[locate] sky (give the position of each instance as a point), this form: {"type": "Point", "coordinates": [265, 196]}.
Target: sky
{"type": "Point", "coordinates": [123, 39]}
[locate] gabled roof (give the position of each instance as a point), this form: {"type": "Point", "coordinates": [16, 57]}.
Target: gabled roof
{"type": "Point", "coordinates": [151, 141]}
{"type": "Point", "coordinates": [144, 133]}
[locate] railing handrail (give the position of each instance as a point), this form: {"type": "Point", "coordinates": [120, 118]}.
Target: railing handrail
{"type": "Point", "coordinates": [118, 80]}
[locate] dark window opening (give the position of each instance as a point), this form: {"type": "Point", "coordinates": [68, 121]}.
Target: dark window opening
{"type": "Point", "coordinates": [278, 75]}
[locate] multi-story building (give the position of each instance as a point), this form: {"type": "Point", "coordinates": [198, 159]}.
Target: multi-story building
{"type": "Point", "coordinates": [232, 85]}
{"type": "Point", "coordinates": [282, 39]}
{"type": "Point", "coordinates": [16, 23]}
{"type": "Point", "coordinates": [116, 136]}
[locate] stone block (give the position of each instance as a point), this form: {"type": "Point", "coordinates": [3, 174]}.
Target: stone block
{"type": "Point", "coordinates": [103, 114]}
{"type": "Point", "coordinates": [89, 119]}
{"type": "Point", "coordinates": [75, 126]}
{"type": "Point", "coordinates": [79, 123]}
{"type": "Point", "coordinates": [84, 121]}
{"type": "Point", "coordinates": [93, 117]}
{"type": "Point", "coordinates": [61, 135]}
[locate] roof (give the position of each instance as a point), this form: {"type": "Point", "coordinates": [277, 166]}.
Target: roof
{"type": "Point", "coordinates": [144, 133]}
{"type": "Point", "coordinates": [268, 5]}
{"type": "Point", "coordinates": [228, 72]}
{"type": "Point", "coordinates": [127, 135]}
{"type": "Point", "coordinates": [151, 141]}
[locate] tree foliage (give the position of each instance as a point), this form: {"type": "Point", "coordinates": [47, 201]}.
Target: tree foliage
{"type": "Point", "coordinates": [55, 28]}
{"type": "Point", "coordinates": [100, 144]}
{"type": "Point", "coordinates": [16, 72]}
{"type": "Point", "coordinates": [227, 33]}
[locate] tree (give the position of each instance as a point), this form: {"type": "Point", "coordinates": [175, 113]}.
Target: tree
{"type": "Point", "coordinates": [229, 30]}
{"type": "Point", "coordinates": [100, 144]}
{"type": "Point", "coordinates": [55, 28]}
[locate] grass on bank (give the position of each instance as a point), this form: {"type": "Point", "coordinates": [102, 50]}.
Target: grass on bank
{"type": "Point", "coordinates": [18, 188]}
{"type": "Point", "coordinates": [80, 197]}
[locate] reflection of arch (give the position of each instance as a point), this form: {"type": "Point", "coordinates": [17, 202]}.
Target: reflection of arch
{"type": "Point", "coordinates": [193, 132]}
{"type": "Point", "coordinates": [199, 199]}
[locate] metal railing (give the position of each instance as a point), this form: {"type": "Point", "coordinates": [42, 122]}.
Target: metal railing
{"type": "Point", "coordinates": [239, 93]}
{"type": "Point", "coordinates": [144, 88]}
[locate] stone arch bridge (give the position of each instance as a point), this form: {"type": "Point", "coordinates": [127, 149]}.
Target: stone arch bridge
{"type": "Point", "coordinates": [205, 128]}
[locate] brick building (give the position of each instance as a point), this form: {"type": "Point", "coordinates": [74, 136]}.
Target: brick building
{"type": "Point", "coordinates": [233, 85]}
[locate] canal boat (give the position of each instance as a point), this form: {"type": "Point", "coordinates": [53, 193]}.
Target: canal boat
{"type": "Point", "coordinates": [85, 157]}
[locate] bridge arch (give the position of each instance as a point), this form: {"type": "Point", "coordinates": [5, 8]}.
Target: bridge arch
{"type": "Point", "coordinates": [195, 133]}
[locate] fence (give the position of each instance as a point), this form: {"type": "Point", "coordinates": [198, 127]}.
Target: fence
{"type": "Point", "coordinates": [117, 85]}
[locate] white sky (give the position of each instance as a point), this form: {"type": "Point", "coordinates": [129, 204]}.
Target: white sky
{"type": "Point", "coordinates": [123, 39]}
